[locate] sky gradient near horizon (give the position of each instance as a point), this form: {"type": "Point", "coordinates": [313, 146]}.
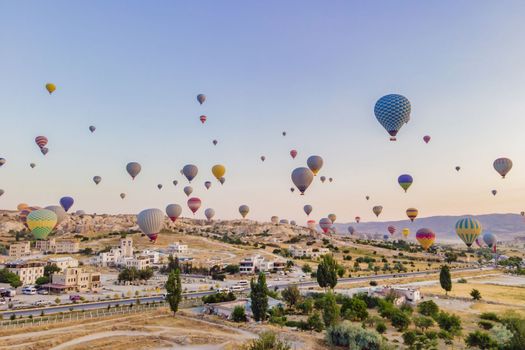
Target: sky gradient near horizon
{"type": "Point", "coordinates": [311, 68]}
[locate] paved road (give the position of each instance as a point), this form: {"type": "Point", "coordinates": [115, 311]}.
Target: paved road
{"type": "Point", "coordinates": [104, 304]}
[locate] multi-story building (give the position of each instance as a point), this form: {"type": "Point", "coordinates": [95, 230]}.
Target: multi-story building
{"type": "Point", "coordinates": [312, 253]}
{"type": "Point", "coordinates": [18, 250]}
{"type": "Point", "coordinates": [117, 256]}
{"type": "Point", "coordinates": [177, 248]}
{"type": "Point", "coordinates": [258, 263]}
{"type": "Point", "coordinates": [126, 246]}
{"type": "Point", "coordinates": [140, 262]}
{"type": "Point", "coordinates": [63, 262]}
{"type": "Point", "coordinates": [74, 279]}
{"type": "Point", "coordinates": [56, 246]}
{"type": "Point", "coordinates": [27, 271]}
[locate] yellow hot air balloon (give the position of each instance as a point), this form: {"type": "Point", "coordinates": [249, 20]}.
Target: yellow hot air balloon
{"type": "Point", "coordinates": [50, 87]}
{"type": "Point", "coordinates": [41, 222]}
{"type": "Point", "coordinates": [21, 206]}
{"type": "Point", "coordinates": [405, 232]}
{"type": "Point", "coordinates": [218, 171]}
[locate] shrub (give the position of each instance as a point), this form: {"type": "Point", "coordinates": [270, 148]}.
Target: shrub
{"type": "Point", "coordinates": [490, 316]}
{"type": "Point", "coordinates": [278, 320]}
{"type": "Point", "coordinates": [480, 340]}
{"type": "Point", "coordinates": [354, 309]}
{"type": "Point", "coordinates": [423, 322]}
{"type": "Point", "coordinates": [462, 280]}
{"type": "Point", "coordinates": [381, 328]}
{"type": "Point", "coordinates": [315, 322]}
{"type": "Point", "coordinates": [409, 337]}
{"type": "Point", "coordinates": [428, 308]}
{"type": "Point", "coordinates": [448, 322]}
{"type": "Point", "coordinates": [355, 337]}
{"type": "Point", "coordinates": [238, 314]}
{"type": "Point", "coordinates": [475, 294]}
{"type": "Point", "coordinates": [373, 283]}
{"type": "Point", "coordinates": [400, 320]}
{"type": "Point", "coordinates": [485, 324]}
{"type": "Point", "coordinates": [306, 306]}
{"type": "Point", "coordinates": [267, 340]}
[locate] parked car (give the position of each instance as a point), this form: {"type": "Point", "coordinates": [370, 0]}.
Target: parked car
{"type": "Point", "coordinates": [74, 297]}
{"type": "Point", "coordinates": [236, 288]}
{"type": "Point", "coordinates": [43, 291]}
{"type": "Point", "coordinates": [29, 290]}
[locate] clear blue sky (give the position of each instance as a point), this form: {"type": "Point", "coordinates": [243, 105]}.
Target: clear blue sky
{"type": "Point", "coordinates": [312, 68]}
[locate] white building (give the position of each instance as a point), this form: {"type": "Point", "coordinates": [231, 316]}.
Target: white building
{"type": "Point", "coordinates": [177, 248]}
{"type": "Point", "coordinates": [404, 294]}
{"type": "Point", "coordinates": [63, 262]}
{"type": "Point", "coordinates": [140, 263]}
{"type": "Point", "coordinates": [258, 263]}
{"type": "Point", "coordinates": [116, 256]}
{"type": "Point", "coordinates": [312, 253]}
{"type": "Point", "coordinates": [27, 271]}
{"type": "Point", "coordinates": [126, 246]}
{"type": "Point", "coordinates": [18, 250]}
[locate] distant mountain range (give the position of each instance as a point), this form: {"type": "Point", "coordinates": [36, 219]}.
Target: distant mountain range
{"type": "Point", "coordinates": [505, 226]}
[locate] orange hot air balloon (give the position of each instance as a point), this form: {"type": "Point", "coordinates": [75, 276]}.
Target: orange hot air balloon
{"type": "Point", "coordinates": [425, 237]}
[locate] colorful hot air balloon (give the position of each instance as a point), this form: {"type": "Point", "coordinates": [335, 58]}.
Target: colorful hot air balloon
{"type": "Point", "coordinates": [59, 212]}
{"type": "Point", "coordinates": [159, 186]}
{"type": "Point", "coordinates": [66, 202]}
{"type": "Point", "coordinates": [2, 161]}
{"type": "Point", "coordinates": [209, 213]}
{"type": "Point", "coordinates": [308, 209]}
{"type": "Point", "coordinates": [325, 224]}
{"type": "Point", "coordinates": [274, 220]}
{"type": "Point", "coordinates": [332, 217]}
{"type": "Point", "coordinates": [494, 192]}
{"type": "Point", "coordinates": [32, 165]}
{"type": "Point", "coordinates": [503, 166]}
{"type": "Point", "coordinates": [215, 142]}
{"type": "Point", "coordinates": [489, 238]}
{"type": "Point", "coordinates": [222, 180]}
{"type": "Point", "coordinates": [263, 158]}
{"type": "Point", "coordinates": [202, 118]}
{"type": "Point", "coordinates": [426, 138]}
{"type": "Point", "coordinates": [315, 163]}
{"type": "Point", "coordinates": [25, 212]}
{"type": "Point", "coordinates": [425, 237]}
{"type": "Point", "coordinates": [175, 182]}
{"type": "Point", "coordinates": [311, 224]}
{"type": "Point", "coordinates": [468, 229]}
{"type": "Point", "coordinates": [44, 150]}
{"type": "Point", "coordinates": [392, 111]}
{"type": "Point", "coordinates": [188, 190]}
{"type": "Point", "coordinates": [391, 229]}
{"type": "Point", "coordinates": [122, 195]}
{"type": "Point", "coordinates": [458, 168]}
{"type": "Point", "coordinates": [323, 179]}
{"type": "Point", "coordinates": [150, 222]}
{"type": "Point", "coordinates": [194, 204]}
{"type": "Point", "coordinates": [293, 153]}
{"type": "Point", "coordinates": [190, 171]}
{"type": "Point", "coordinates": [173, 211]}
{"type": "Point", "coordinates": [377, 210]}
{"type": "Point", "coordinates": [405, 181]}
{"type": "Point", "coordinates": [207, 184]}
{"type": "Point", "coordinates": [50, 87]}
{"type": "Point", "coordinates": [218, 171]}
{"type": "Point", "coordinates": [133, 169]}
{"type": "Point", "coordinates": [97, 179]}
{"type": "Point", "coordinates": [412, 213]}
{"type": "Point", "coordinates": [41, 141]}
{"type": "Point", "coordinates": [41, 222]}
{"type": "Point", "coordinates": [351, 230]}
{"type": "Point", "coordinates": [386, 237]}
{"type": "Point", "coordinates": [22, 206]}
{"type": "Point", "coordinates": [201, 98]}
{"type": "Point", "coordinates": [357, 219]}
{"type": "Point", "coordinates": [405, 232]}
{"type": "Point", "coordinates": [302, 178]}
{"type": "Point", "coordinates": [244, 210]}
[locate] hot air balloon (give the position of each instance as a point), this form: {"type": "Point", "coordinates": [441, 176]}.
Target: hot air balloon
{"type": "Point", "coordinates": [489, 238]}
{"type": "Point", "coordinates": [315, 163]}
{"type": "Point", "coordinates": [2, 161]}
{"type": "Point", "coordinates": [190, 171]}
{"type": "Point", "coordinates": [392, 111]}
{"type": "Point", "coordinates": [175, 182]}
{"type": "Point", "coordinates": [503, 166]}
{"type": "Point", "coordinates": [97, 179]}
{"type": "Point", "coordinates": [244, 210]}
{"type": "Point", "coordinates": [44, 150]}
{"type": "Point", "coordinates": [412, 213]}
{"type": "Point", "coordinates": [201, 98]}
{"type": "Point", "coordinates": [133, 169]}
{"type": "Point", "coordinates": [325, 224]}
{"type": "Point", "coordinates": [209, 213]}
{"type": "Point", "coordinates": [215, 142]}
{"type": "Point", "coordinates": [122, 195]}
{"type": "Point", "coordinates": [222, 180]}
{"type": "Point", "coordinates": [293, 153]}
{"type": "Point", "coordinates": [323, 179]}
{"type": "Point", "coordinates": [202, 118]}
{"type": "Point", "coordinates": [283, 222]}
{"type": "Point", "coordinates": [274, 220]}
{"type": "Point", "coordinates": [188, 190]}
{"type": "Point", "coordinates": [25, 212]}
{"type": "Point", "coordinates": [386, 237]}
{"type": "Point", "coordinates": [218, 171]}
{"type": "Point", "coordinates": [458, 168]}
{"type": "Point", "coordinates": [32, 165]}
{"type": "Point", "coordinates": [494, 192]}
{"type": "Point", "coordinates": [41, 141]}
{"type": "Point", "coordinates": [59, 212]}
{"type": "Point", "coordinates": [284, 133]}
{"type": "Point", "coordinates": [311, 224]}
{"type": "Point", "coordinates": [425, 237]}
{"type": "Point", "coordinates": [66, 202]}
{"type": "Point", "coordinates": [173, 211]}
{"type": "Point", "coordinates": [263, 158]}
{"type": "Point", "coordinates": [150, 222]}
{"type": "Point", "coordinates": [50, 87]}
{"type": "Point", "coordinates": [405, 181]}
{"type": "Point", "coordinates": [468, 229]}
{"type": "Point", "coordinates": [357, 219]}
{"type": "Point", "coordinates": [351, 230]}
{"type": "Point", "coordinates": [367, 197]}
{"type": "Point", "coordinates": [308, 209]}
{"type": "Point", "coordinates": [1, 192]}
{"type": "Point", "coordinates": [41, 222]}
{"type": "Point", "coordinates": [330, 179]}
{"type": "Point", "coordinates": [377, 210]}
{"type": "Point", "coordinates": [159, 186]}
{"type": "Point", "coordinates": [426, 138]}
{"type": "Point", "coordinates": [478, 243]}
{"type": "Point", "coordinates": [207, 184]}
{"type": "Point", "coordinates": [522, 213]}
{"type": "Point", "coordinates": [293, 223]}
{"type": "Point", "coordinates": [332, 217]}
{"type": "Point", "coordinates": [22, 206]}
{"type": "Point", "coordinates": [80, 213]}
{"type": "Point", "coordinates": [194, 204]}
{"type": "Point", "coordinates": [405, 232]}
{"type": "Point", "coordinates": [302, 178]}
{"type": "Point", "coordinates": [292, 189]}
{"type": "Point", "coordinates": [92, 128]}
{"type": "Point", "coordinates": [391, 229]}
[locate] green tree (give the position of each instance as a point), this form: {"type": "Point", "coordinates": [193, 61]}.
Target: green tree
{"type": "Point", "coordinates": [51, 269]}
{"type": "Point", "coordinates": [381, 327]}
{"type": "Point", "coordinates": [423, 322]}
{"type": "Point", "coordinates": [428, 308]}
{"type": "Point", "coordinates": [307, 268]}
{"type": "Point", "coordinates": [267, 341]}
{"type": "Point", "coordinates": [259, 297]}
{"type": "Point", "coordinates": [291, 295]}
{"type": "Point", "coordinates": [174, 290]}
{"type": "Point", "coordinates": [327, 272]}
{"type": "Point", "coordinates": [480, 340]}
{"type": "Point", "coordinates": [232, 269]}
{"type": "Point", "coordinates": [238, 314]}
{"type": "Point", "coordinates": [315, 322]}
{"type": "Point", "coordinates": [12, 278]}
{"type": "Point", "coordinates": [145, 274]}
{"type": "Point", "coordinates": [400, 320]}
{"type": "Point", "coordinates": [41, 280]}
{"type": "Point", "coordinates": [444, 279]}
{"type": "Point", "coordinates": [475, 294]}
{"type": "Point", "coordinates": [330, 310]}
{"type": "Point", "coordinates": [448, 322]}
{"type": "Point", "coordinates": [516, 324]}
{"type": "Point", "coordinates": [306, 306]}
{"type": "Point", "coordinates": [354, 309]}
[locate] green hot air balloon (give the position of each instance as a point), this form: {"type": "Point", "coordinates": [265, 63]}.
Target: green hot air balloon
{"type": "Point", "coordinates": [468, 229]}
{"type": "Point", "coordinates": [41, 222]}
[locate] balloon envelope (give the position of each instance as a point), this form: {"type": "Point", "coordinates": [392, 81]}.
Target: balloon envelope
{"type": "Point", "coordinates": [2, 161]}
{"type": "Point", "coordinates": [293, 153]}
{"type": "Point", "coordinates": [426, 138]}
{"type": "Point", "coordinates": [315, 163]}
{"type": "Point", "coordinates": [190, 171]}
{"type": "Point", "coordinates": [133, 169]}
{"type": "Point", "coordinates": [357, 219]}
{"type": "Point", "coordinates": [412, 213]}
{"type": "Point", "coordinates": [308, 209]}
{"type": "Point", "coordinates": [377, 210]}
{"type": "Point", "coordinates": [244, 210]}
{"type": "Point", "coordinates": [405, 181]}
{"type": "Point", "coordinates": [351, 230]}
{"type": "Point", "coordinates": [425, 237]}
{"type": "Point", "coordinates": [392, 111]}
{"type": "Point", "coordinates": [50, 87]}
{"type": "Point", "coordinates": [209, 213]}
{"type": "Point", "coordinates": [503, 166]}
{"type": "Point", "coordinates": [218, 171]}
{"type": "Point", "coordinates": [302, 178]}
{"type": "Point", "coordinates": [150, 222]}
{"type": "Point", "coordinates": [66, 202]}
{"type": "Point", "coordinates": [194, 204]}
{"type": "Point", "coordinates": [173, 211]}
{"type": "Point", "coordinates": [97, 179]}
{"type": "Point", "coordinates": [468, 229]}
{"type": "Point", "coordinates": [489, 238]}
{"type": "Point", "coordinates": [405, 232]}
{"type": "Point", "coordinates": [188, 190]}
{"type": "Point", "coordinates": [41, 141]}
{"type": "Point", "coordinates": [311, 224]}
{"type": "Point", "coordinates": [332, 217]}
{"type": "Point", "coordinates": [207, 184]}
{"type": "Point", "coordinates": [325, 224]}
{"type": "Point", "coordinates": [201, 98]}
{"type": "Point", "coordinates": [41, 222]}
{"type": "Point", "coordinates": [274, 220]}
{"type": "Point", "coordinates": [59, 212]}
{"type": "Point", "coordinates": [92, 128]}
{"type": "Point", "coordinates": [391, 230]}
{"type": "Point", "coordinates": [122, 195]}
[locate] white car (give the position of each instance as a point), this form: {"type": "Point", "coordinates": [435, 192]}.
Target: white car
{"type": "Point", "coordinates": [29, 290]}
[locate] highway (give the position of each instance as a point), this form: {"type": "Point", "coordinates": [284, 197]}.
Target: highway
{"type": "Point", "coordinates": [104, 304]}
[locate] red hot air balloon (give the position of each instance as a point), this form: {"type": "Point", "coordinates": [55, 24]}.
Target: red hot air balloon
{"type": "Point", "coordinates": [293, 153]}
{"type": "Point", "coordinates": [325, 224]}
{"type": "Point", "coordinates": [41, 141]}
{"type": "Point", "coordinates": [194, 204]}
{"type": "Point", "coordinates": [391, 230]}
{"type": "Point", "coordinates": [426, 138]}
{"type": "Point", "coordinates": [203, 119]}
{"type": "Point", "coordinates": [357, 219]}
